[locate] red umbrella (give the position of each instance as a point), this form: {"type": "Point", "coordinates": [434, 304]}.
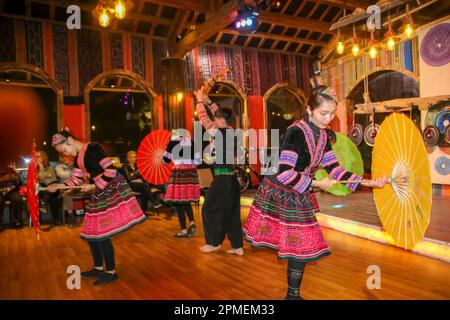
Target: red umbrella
{"type": "Point", "coordinates": [149, 157]}
{"type": "Point", "coordinates": [32, 197]}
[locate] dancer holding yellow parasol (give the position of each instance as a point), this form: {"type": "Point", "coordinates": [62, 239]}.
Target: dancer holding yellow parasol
{"type": "Point", "coordinates": [282, 216]}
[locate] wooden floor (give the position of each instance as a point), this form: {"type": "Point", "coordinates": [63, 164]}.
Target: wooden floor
{"type": "Point", "coordinates": [152, 264]}
{"type": "Point", "coordinates": [360, 207]}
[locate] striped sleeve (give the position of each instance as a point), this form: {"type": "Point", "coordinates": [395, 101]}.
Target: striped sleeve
{"type": "Point", "coordinates": [213, 107]}
{"type": "Point", "coordinates": [76, 179]}
{"type": "Point", "coordinates": [207, 123]}
{"type": "Point", "coordinates": [108, 174]}
{"type": "Point", "coordinates": [288, 160]}
{"type": "Point", "coordinates": [330, 163]}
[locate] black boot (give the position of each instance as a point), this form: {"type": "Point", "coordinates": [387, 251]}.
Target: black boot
{"type": "Point", "coordinates": [94, 273]}
{"type": "Point", "coordinates": [295, 275]}
{"type": "Point", "coordinates": [106, 278]}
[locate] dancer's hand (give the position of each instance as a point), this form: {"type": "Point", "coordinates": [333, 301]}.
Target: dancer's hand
{"type": "Point", "coordinates": [87, 187]}
{"type": "Point", "coordinates": [201, 96]}
{"type": "Point", "coordinates": [324, 184]}
{"type": "Point", "coordinates": [54, 187]}
{"type": "Point", "coordinates": [376, 183]}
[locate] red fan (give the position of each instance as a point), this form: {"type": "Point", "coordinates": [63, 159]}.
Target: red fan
{"type": "Point", "coordinates": [149, 157]}
{"type": "Point", "coordinates": [32, 197]}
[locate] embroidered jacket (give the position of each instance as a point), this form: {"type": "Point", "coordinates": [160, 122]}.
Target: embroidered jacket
{"type": "Point", "coordinates": [228, 151]}
{"type": "Point", "coordinates": [92, 162]}
{"type": "Point", "coordinates": [301, 156]}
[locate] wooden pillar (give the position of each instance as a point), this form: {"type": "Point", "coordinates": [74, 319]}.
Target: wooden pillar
{"type": "Point", "coordinates": [173, 82]}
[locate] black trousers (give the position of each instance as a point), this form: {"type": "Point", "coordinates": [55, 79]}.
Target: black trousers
{"type": "Point", "coordinates": [15, 205]}
{"type": "Point", "coordinates": [103, 251]}
{"type": "Point", "coordinates": [55, 203]}
{"type": "Point", "coordinates": [145, 194]}
{"type": "Point", "coordinates": [221, 212]}
{"type": "Point", "coordinates": [184, 209]}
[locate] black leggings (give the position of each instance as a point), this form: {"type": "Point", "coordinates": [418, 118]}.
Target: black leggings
{"type": "Point", "coordinates": [103, 250]}
{"type": "Point", "coordinates": [295, 275]}
{"type": "Point", "coordinates": [181, 209]}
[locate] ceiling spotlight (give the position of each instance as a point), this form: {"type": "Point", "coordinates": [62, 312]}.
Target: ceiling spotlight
{"type": "Point", "coordinates": [247, 20]}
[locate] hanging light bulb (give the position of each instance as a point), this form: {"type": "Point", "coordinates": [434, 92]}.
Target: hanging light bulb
{"type": "Point", "coordinates": [408, 31]}
{"type": "Point", "coordinates": [389, 35]}
{"type": "Point", "coordinates": [373, 52]}
{"type": "Point", "coordinates": [390, 44]}
{"type": "Point", "coordinates": [104, 19]}
{"type": "Point", "coordinates": [355, 47]}
{"type": "Point", "coordinates": [340, 45]}
{"type": "Point", "coordinates": [120, 10]}
{"type": "Point", "coordinates": [408, 24]}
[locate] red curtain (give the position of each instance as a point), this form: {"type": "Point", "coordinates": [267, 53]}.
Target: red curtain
{"type": "Point", "coordinates": [74, 118]}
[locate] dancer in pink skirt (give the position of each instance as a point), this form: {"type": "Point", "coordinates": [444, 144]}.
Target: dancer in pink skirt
{"type": "Point", "coordinates": [184, 186]}
{"type": "Point", "coordinates": [111, 210]}
{"type": "Point", "coordinates": [282, 216]}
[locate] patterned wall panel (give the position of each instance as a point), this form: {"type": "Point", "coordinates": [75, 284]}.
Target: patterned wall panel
{"type": "Point", "coordinates": [138, 55]}
{"type": "Point", "coordinates": [7, 40]}
{"type": "Point", "coordinates": [116, 51]}
{"type": "Point", "coordinates": [34, 43]}
{"type": "Point", "coordinates": [61, 57]}
{"type": "Point", "coordinates": [89, 55]}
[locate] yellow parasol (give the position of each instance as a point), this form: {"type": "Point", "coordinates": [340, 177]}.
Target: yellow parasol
{"type": "Point", "coordinates": [404, 204]}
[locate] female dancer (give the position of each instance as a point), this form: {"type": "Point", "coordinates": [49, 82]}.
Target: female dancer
{"type": "Point", "coordinates": [112, 209]}
{"type": "Point", "coordinates": [282, 216]}
{"type": "Point", "coordinates": [183, 187]}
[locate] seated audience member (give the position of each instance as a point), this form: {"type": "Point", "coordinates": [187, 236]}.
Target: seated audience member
{"type": "Point", "coordinates": [63, 172]}
{"type": "Point", "coordinates": [137, 183]}
{"type": "Point", "coordinates": [47, 176]}
{"type": "Point", "coordinates": [9, 191]}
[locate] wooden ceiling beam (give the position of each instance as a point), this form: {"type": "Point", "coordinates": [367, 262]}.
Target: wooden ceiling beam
{"type": "Point", "coordinates": [179, 27]}
{"type": "Point", "coordinates": [247, 41]}
{"type": "Point", "coordinates": [233, 40]}
{"type": "Point", "coordinates": [28, 8]}
{"type": "Point", "coordinates": [313, 10]}
{"type": "Point", "coordinates": [158, 14]}
{"type": "Point", "coordinates": [274, 45]}
{"type": "Point", "coordinates": [219, 36]}
{"type": "Point", "coordinates": [63, 23]}
{"type": "Point", "coordinates": [325, 12]}
{"type": "Point", "coordinates": [281, 37]}
{"type": "Point", "coordinates": [352, 4]}
{"type": "Point", "coordinates": [223, 17]}
{"type": "Point", "coordinates": [263, 49]}
{"type": "Point", "coordinates": [91, 6]}
{"type": "Point", "coordinates": [139, 9]}
{"type": "Point", "coordinates": [286, 5]}
{"type": "Point", "coordinates": [295, 22]}
{"type": "Point", "coordinates": [300, 8]}
{"type": "Point", "coordinates": [198, 5]}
